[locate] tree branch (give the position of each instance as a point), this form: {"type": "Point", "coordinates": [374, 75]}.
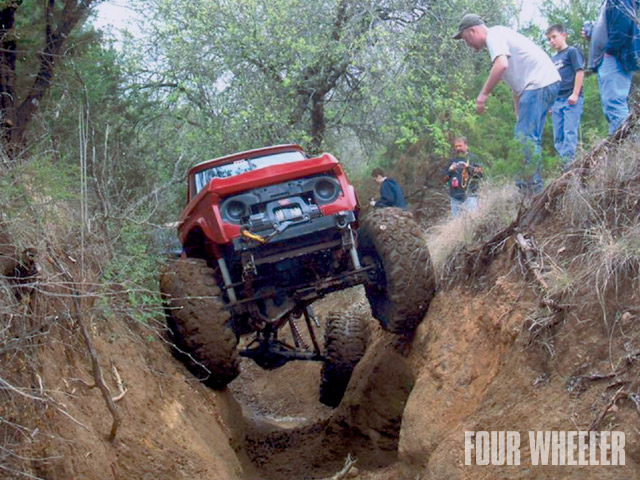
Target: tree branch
{"type": "Point", "coordinates": [95, 362]}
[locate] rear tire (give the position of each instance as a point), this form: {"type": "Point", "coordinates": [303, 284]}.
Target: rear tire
{"type": "Point", "coordinates": [405, 285]}
{"type": "Point", "coordinates": [346, 338]}
{"type": "Point", "coordinates": [199, 323]}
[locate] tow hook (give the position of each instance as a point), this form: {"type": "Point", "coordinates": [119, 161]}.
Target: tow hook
{"type": "Point", "coordinates": [278, 228]}
{"type": "Point", "coordinates": [254, 236]}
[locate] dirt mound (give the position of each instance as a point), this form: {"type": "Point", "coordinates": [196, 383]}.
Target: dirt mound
{"type": "Point", "coordinates": [481, 371]}
{"type": "Point", "coordinates": [172, 427]}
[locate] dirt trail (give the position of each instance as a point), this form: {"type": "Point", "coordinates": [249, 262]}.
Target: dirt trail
{"type": "Point", "coordinates": [473, 364]}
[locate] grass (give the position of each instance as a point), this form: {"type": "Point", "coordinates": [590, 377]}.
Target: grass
{"type": "Point", "coordinates": [603, 214]}
{"type": "Point", "coordinates": [598, 217]}
{"type": "Point", "coordinates": [448, 239]}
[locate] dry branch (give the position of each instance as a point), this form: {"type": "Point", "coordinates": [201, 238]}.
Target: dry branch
{"type": "Point", "coordinates": [594, 425]}
{"type": "Point", "coordinates": [97, 371]}
{"type": "Point", "coordinates": [121, 390]}
{"type": "Point", "coordinates": [349, 464]}
{"type": "Point", "coordinates": [530, 259]}
{"type": "Point", "coordinates": [7, 386]}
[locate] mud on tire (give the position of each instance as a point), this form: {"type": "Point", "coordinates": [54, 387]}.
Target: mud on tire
{"type": "Point", "coordinates": [199, 323]}
{"type": "Point", "coordinates": [399, 299]}
{"type": "Point", "coordinates": [346, 338]}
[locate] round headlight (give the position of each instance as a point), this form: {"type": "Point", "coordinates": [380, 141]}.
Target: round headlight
{"type": "Point", "coordinates": [325, 190]}
{"type": "Point", "coordinates": [235, 210]}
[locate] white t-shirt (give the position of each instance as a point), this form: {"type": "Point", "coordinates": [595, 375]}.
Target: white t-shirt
{"type": "Point", "coordinates": [529, 66]}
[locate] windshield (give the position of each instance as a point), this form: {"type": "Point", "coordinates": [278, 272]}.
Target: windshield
{"type": "Point", "coordinates": [245, 165]}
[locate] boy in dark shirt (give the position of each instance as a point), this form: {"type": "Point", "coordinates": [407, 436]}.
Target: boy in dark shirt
{"type": "Point", "coordinates": [566, 111]}
{"type": "Point", "coordinates": [390, 192]}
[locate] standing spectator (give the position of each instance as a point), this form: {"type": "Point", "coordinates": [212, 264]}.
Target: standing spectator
{"type": "Point", "coordinates": [614, 55]}
{"type": "Point", "coordinates": [390, 192]}
{"type": "Point", "coordinates": [533, 79]}
{"type": "Point", "coordinates": [462, 177]}
{"type": "Point", "coordinates": [567, 109]}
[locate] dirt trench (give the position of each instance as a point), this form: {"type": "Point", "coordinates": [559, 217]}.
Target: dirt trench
{"type": "Point", "coordinates": [471, 365]}
{"type": "Point", "coordinates": [475, 363]}
{"type": "Point", "coordinates": [288, 433]}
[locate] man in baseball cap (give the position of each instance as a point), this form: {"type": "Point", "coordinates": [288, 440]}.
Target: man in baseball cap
{"type": "Point", "coordinates": [533, 79]}
{"type": "Point", "coordinates": [468, 21]}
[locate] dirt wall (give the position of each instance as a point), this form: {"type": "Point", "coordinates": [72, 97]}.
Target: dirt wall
{"type": "Point", "coordinates": [480, 368]}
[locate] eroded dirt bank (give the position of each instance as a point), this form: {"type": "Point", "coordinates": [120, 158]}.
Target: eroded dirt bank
{"type": "Point", "coordinates": [484, 363]}
{"type": "Point", "coordinates": [473, 364]}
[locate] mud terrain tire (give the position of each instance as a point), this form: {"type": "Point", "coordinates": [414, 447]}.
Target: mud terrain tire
{"type": "Point", "coordinates": [346, 337]}
{"type": "Point", "coordinates": [199, 323]}
{"type": "Point", "coordinates": [400, 297]}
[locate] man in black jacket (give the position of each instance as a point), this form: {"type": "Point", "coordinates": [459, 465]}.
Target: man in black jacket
{"type": "Point", "coordinates": [390, 192]}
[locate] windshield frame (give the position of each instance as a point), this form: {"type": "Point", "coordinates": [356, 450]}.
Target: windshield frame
{"type": "Point", "coordinates": [241, 165]}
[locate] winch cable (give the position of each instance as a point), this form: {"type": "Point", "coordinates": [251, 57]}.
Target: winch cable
{"type": "Point", "coordinates": [262, 240]}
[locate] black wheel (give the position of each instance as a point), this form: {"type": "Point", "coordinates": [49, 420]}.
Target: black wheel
{"type": "Point", "coordinates": [199, 323]}
{"type": "Point", "coordinates": [346, 337]}
{"type": "Point", "coordinates": [405, 284]}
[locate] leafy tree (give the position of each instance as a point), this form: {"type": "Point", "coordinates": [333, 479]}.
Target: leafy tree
{"type": "Point", "coordinates": [22, 90]}
{"type": "Point", "coordinates": [254, 68]}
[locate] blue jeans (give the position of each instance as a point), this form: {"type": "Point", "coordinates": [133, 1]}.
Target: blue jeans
{"type": "Point", "coordinates": [566, 122]}
{"type": "Point", "coordinates": [468, 205]}
{"type": "Point", "coordinates": [615, 85]}
{"type": "Point", "coordinates": [532, 114]}
{"type": "Point", "coordinates": [471, 203]}
{"type": "Point", "coordinates": [456, 206]}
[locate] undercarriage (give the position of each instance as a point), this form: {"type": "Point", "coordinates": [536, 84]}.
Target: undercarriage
{"type": "Point", "coordinates": [270, 352]}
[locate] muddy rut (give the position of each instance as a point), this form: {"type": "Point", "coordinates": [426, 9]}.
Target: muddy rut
{"type": "Point", "coordinates": [286, 432]}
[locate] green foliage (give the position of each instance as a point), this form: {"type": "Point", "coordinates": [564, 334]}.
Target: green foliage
{"type": "Point", "coordinates": [572, 14]}
{"type": "Point", "coordinates": [434, 101]}
{"type": "Point", "coordinates": [135, 270]}
{"type": "Point", "coordinates": [49, 182]}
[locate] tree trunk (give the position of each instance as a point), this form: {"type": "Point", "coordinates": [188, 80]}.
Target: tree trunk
{"type": "Point", "coordinates": [17, 115]}
{"type": "Point", "coordinates": [317, 122]}
{"type": "Point", "coordinates": [7, 72]}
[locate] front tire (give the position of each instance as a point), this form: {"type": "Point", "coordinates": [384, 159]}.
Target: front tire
{"type": "Point", "coordinates": [405, 285]}
{"type": "Point", "coordinates": [199, 323]}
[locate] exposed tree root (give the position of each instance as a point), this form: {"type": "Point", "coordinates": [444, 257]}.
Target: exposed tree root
{"type": "Point", "coordinates": [349, 464]}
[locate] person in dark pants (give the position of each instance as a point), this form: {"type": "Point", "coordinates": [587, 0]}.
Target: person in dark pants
{"type": "Point", "coordinates": [390, 192]}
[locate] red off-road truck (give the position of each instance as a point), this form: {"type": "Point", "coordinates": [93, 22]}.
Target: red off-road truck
{"type": "Point", "coordinates": [264, 234]}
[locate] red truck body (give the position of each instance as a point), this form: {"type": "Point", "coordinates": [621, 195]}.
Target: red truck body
{"type": "Point", "coordinates": [203, 208]}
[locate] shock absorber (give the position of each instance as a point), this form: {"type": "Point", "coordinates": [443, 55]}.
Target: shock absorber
{"type": "Point", "coordinates": [297, 336]}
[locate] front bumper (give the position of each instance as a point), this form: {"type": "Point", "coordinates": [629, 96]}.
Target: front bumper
{"type": "Point", "coordinates": [313, 230]}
